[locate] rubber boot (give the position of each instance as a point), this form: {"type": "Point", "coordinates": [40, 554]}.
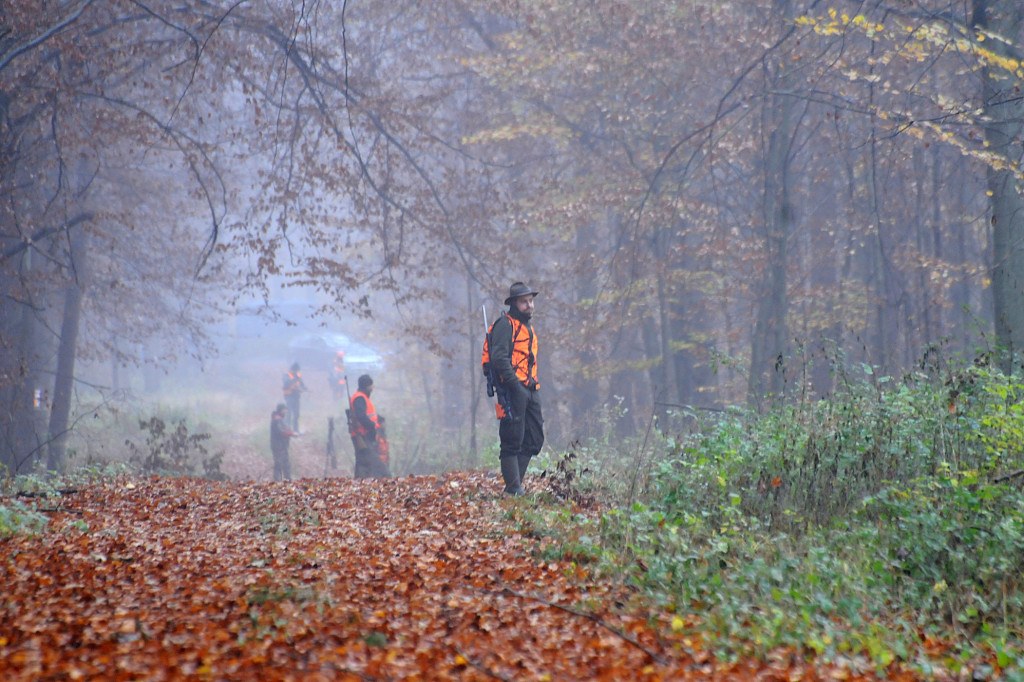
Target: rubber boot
{"type": "Point", "coordinates": [524, 462]}
{"type": "Point", "coordinates": [510, 473]}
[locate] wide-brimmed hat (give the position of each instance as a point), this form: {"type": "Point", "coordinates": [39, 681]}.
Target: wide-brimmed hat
{"type": "Point", "coordinates": [519, 289]}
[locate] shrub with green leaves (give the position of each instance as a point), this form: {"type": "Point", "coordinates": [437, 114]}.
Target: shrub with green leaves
{"type": "Point", "coordinates": [994, 417]}
{"type": "Point", "coordinates": [848, 526]}
{"type": "Point", "coordinates": [17, 518]}
{"type": "Point", "coordinates": [175, 450]}
{"type": "Point", "coordinates": [955, 546]}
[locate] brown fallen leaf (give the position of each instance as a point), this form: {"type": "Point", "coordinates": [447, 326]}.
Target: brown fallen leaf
{"type": "Point", "coordinates": [324, 579]}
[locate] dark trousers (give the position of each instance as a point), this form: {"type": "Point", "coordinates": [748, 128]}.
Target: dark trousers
{"type": "Point", "coordinates": [369, 464]}
{"type": "Point", "coordinates": [282, 467]}
{"type": "Point", "coordinates": [292, 401]}
{"type": "Point", "coordinates": [523, 436]}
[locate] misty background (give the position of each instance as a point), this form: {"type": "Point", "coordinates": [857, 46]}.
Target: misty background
{"type": "Point", "coordinates": [720, 204]}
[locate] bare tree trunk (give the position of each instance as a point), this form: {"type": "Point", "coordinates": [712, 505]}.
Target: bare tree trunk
{"type": "Point", "coordinates": [474, 349]}
{"type": "Point", "coordinates": [924, 233]}
{"type": "Point", "coordinates": [691, 362]}
{"type": "Point", "coordinates": [1004, 113]}
{"type": "Point", "coordinates": [22, 352]}
{"type": "Point", "coordinates": [881, 344]}
{"type": "Point", "coordinates": [768, 344]}
{"type": "Point", "coordinates": [64, 382]}
{"type": "Point", "coordinates": [586, 394]}
{"type": "Point", "coordinates": [667, 380]}
{"type": "Point", "coordinates": [961, 319]}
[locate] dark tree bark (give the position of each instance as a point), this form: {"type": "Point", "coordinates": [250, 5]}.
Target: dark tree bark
{"type": "Point", "coordinates": [769, 343]}
{"type": "Point", "coordinates": [586, 392]}
{"type": "Point", "coordinates": [1004, 131]}
{"type": "Point", "coordinates": [65, 377]}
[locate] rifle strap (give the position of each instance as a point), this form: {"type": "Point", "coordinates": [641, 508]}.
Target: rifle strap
{"type": "Point", "coordinates": [511, 346]}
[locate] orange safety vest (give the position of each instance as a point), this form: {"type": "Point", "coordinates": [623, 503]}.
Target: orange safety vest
{"type": "Point", "coordinates": [524, 352]}
{"type": "Point", "coordinates": [292, 383]}
{"type": "Point", "coordinates": [371, 412]}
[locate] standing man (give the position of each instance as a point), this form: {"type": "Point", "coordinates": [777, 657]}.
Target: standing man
{"type": "Point", "coordinates": [280, 437]}
{"type": "Point", "coordinates": [365, 427]}
{"type": "Point", "coordinates": [511, 348]}
{"type": "Point", "coordinates": [292, 387]}
{"type": "Point", "coordinates": [337, 377]}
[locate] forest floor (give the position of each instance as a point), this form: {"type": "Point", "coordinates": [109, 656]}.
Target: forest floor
{"type": "Point", "coordinates": [421, 577]}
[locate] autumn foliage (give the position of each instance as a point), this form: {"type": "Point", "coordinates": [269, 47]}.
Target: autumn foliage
{"type": "Point", "coordinates": [413, 578]}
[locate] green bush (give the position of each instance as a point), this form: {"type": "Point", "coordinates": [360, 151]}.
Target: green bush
{"type": "Point", "coordinates": [17, 518]}
{"type": "Point", "coordinates": [956, 547]}
{"type": "Point", "coordinates": [847, 527]}
{"type": "Point", "coordinates": [175, 451]}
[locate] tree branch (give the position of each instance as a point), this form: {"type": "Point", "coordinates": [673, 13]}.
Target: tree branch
{"type": "Point", "coordinates": [41, 234]}
{"type": "Point", "coordinates": [1009, 476]}
{"type": "Point", "coordinates": [590, 616]}
{"type": "Point", "coordinates": [44, 36]}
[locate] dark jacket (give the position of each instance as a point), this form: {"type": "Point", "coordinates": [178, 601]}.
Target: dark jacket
{"type": "Point", "coordinates": [280, 434]}
{"type": "Point", "coordinates": [512, 350]}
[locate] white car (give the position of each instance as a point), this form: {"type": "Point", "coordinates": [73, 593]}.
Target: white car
{"type": "Point", "coordinates": [316, 351]}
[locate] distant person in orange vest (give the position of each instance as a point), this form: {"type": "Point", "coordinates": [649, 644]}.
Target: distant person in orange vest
{"type": "Point", "coordinates": [365, 429]}
{"type": "Point", "coordinates": [337, 377]}
{"type": "Point", "coordinates": [280, 437]}
{"type": "Point", "coordinates": [511, 350]}
{"type": "Point", "coordinates": [292, 387]}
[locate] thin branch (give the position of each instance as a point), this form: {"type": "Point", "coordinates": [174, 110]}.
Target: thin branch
{"type": "Point", "coordinates": [44, 36]}
{"type": "Point", "coordinates": [590, 616]}
{"type": "Point", "coordinates": [59, 510]}
{"type": "Point", "coordinates": [481, 668]}
{"type": "Point", "coordinates": [312, 80]}
{"type": "Point", "coordinates": [1009, 476]}
{"type": "Point", "coordinates": [178, 137]}
{"type": "Point", "coordinates": [41, 234]}
{"type": "Point", "coordinates": [46, 493]}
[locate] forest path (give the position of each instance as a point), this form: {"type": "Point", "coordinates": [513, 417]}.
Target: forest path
{"type": "Point", "coordinates": [425, 578]}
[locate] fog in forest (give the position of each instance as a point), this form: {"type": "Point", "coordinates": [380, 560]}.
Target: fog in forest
{"type": "Point", "coordinates": [725, 206]}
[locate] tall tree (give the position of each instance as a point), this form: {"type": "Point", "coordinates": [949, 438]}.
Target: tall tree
{"type": "Point", "coordinates": [85, 86]}
{"type": "Point", "coordinates": [1001, 24]}
{"type": "Point", "coordinates": [770, 347]}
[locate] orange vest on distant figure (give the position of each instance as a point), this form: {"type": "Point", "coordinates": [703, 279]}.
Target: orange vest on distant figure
{"type": "Point", "coordinates": [292, 383]}
{"type": "Point", "coordinates": [371, 412]}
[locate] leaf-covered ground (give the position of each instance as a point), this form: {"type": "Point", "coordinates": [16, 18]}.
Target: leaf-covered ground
{"type": "Point", "coordinates": [322, 579]}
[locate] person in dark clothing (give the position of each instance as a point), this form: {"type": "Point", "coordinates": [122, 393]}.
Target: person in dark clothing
{"type": "Point", "coordinates": [292, 387]}
{"type": "Point", "coordinates": [512, 351]}
{"type": "Point", "coordinates": [365, 428]}
{"type": "Point", "coordinates": [280, 437]}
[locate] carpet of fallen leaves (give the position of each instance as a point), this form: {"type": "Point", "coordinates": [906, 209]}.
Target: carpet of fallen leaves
{"type": "Point", "coordinates": [322, 579]}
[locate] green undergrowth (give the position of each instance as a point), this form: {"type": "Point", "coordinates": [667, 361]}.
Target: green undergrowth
{"type": "Point", "coordinates": [20, 518]}
{"type": "Point", "coordinates": [24, 499]}
{"type": "Point", "coordinates": [883, 526]}
{"type": "Point", "coordinates": [165, 450]}
{"type": "Point", "coordinates": [184, 433]}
